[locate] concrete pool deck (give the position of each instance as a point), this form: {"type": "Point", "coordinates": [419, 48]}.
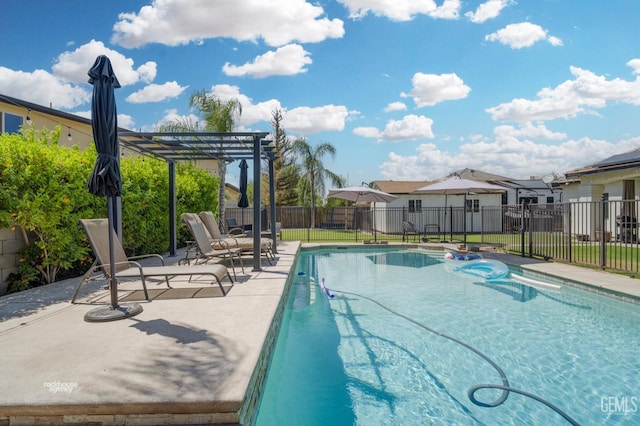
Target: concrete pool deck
{"type": "Point", "coordinates": [188, 358]}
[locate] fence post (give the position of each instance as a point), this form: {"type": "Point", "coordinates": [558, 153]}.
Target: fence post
{"type": "Point", "coordinates": [603, 239]}
{"type": "Point", "coordinates": [522, 229]}
{"type": "Point", "coordinates": [531, 224]}
{"type": "Point", "coordinates": [569, 207]}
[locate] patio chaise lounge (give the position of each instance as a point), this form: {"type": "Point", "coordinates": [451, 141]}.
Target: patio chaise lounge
{"type": "Point", "coordinates": [202, 248]}
{"type": "Point", "coordinates": [127, 268]}
{"type": "Point", "coordinates": [240, 241]}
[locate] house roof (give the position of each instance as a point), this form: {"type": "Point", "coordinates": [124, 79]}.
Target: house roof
{"type": "Point", "coordinates": [479, 175]}
{"type": "Point", "coordinates": [29, 106]}
{"type": "Point", "coordinates": [626, 160]}
{"type": "Point", "coordinates": [399, 186]}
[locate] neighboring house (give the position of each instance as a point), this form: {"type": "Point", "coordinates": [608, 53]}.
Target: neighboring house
{"type": "Point", "coordinates": [231, 195]}
{"type": "Point", "coordinates": [403, 189]}
{"type": "Point", "coordinates": [615, 179]}
{"type": "Point", "coordinates": [16, 113]}
{"type": "Point", "coordinates": [532, 190]}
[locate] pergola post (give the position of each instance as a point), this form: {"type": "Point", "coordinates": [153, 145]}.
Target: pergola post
{"type": "Point", "coordinates": [272, 204]}
{"type": "Point", "coordinates": [257, 226]}
{"type": "Point", "coordinates": [172, 209]}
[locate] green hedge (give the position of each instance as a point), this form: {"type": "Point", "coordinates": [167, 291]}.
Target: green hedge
{"type": "Point", "coordinates": [43, 189]}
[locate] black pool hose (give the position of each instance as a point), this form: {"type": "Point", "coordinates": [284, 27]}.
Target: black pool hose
{"type": "Point", "coordinates": [505, 387]}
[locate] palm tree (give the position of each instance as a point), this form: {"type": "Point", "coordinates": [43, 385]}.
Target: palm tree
{"type": "Point", "coordinates": [219, 116]}
{"type": "Point", "coordinates": [313, 172]}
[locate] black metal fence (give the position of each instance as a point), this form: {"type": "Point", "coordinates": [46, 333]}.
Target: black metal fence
{"type": "Point", "coordinates": [600, 233]}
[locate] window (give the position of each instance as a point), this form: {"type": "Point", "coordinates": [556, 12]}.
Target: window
{"type": "Point", "coordinates": [629, 195]}
{"type": "Point", "coordinates": [528, 200]}
{"type": "Point", "coordinates": [415, 206]}
{"type": "Point", "coordinates": [550, 200]}
{"type": "Point", "coordinates": [12, 123]}
{"type": "Point", "coordinates": [473, 206]}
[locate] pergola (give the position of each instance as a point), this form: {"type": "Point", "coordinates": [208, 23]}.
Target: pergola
{"type": "Point", "coordinates": [186, 146]}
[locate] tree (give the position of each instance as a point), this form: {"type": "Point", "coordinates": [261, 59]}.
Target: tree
{"type": "Point", "coordinates": [287, 172]}
{"type": "Point", "coordinates": [219, 116]}
{"type": "Point", "coordinates": [311, 185]}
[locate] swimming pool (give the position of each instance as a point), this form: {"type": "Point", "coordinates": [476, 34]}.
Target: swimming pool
{"type": "Point", "coordinates": [404, 340]}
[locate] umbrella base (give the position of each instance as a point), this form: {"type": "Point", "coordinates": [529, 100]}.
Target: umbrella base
{"type": "Point", "coordinates": [110, 313]}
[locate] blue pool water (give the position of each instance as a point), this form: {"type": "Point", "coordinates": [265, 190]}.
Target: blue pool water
{"type": "Point", "coordinates": [403, 341]}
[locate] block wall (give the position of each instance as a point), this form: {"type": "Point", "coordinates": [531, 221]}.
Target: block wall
{"type": "Point", "coordinates": [11, 241]}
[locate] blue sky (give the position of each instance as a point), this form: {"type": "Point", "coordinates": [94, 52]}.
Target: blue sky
{"type": "Point", "coordinates": [404, 89]}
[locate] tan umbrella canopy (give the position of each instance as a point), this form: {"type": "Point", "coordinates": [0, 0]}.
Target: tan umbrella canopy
{"type": "Point", "coordinates": [456, 185]}
{"type": "Point", "coordinates": [363, 194]}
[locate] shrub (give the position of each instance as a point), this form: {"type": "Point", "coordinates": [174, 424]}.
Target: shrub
{"type": "Point", "coordinates": [43, 188]}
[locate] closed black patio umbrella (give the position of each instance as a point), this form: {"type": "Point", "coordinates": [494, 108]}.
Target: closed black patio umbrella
{"type": "Point", "coordinates": [243, 202]}
{"type": "Point", "coordinates": [105, 180]}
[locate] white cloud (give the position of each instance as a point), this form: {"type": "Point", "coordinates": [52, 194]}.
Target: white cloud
{"type": "Point", "coordinates": [156, 92]}
{"type": "Point", "coordinates": [450, 9]}
{"type": "Point", "coordinates": [521, 35]}
{"type": "Point", "coordinates": [172, 116]}
{"type": "Point", "coordinates": [74, 65]}
{"type": "Point", "coordinates": [367, 132]}
{"type": "Point", "coordinates": [554, 41]}
{"type": "Point", "coordinates": [635, 64]}
{"type": "Point", "coordinates": [310, 120]}
{"type": "Point", "coordinates": [395, 106]}
{"type": "Point", "coordinates": [251, 113]}
{"type": "Point", "coordinates": [509, 157]}
{"type": "Point", "coordinates": [430, 89]}
{"type": "Point", "coordinates": [527, 130]}
{"type": "Point", "coordinates": [304, 120]}
{"type": "Point", "coordinates": [43, 88]}
{"type": "Point", "coordinates": [488, 10]}
{"type": "Point", "coordinates": [176, 22]}
{"type": "Point", "coordinates": [125, 121]}
{"type": "Point", "coordinates": [572, 97]}
{"type": "Point", "coordinates": [410, 127]}
{"type": "Point", "coordinates": [287, 60]}
{"type": "Point", "coordinates": [402, 10]}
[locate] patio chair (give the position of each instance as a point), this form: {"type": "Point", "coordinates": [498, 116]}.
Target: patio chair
{"type": "Point", "coordinates": [202, 249]}
{"type": "Point", "coordinates": [240, 241]}
{"type": "Point", "coordinates": [408, 228]}
{"type": "Point", "coordinates": [97, 231]}
{"type": "Point", "coordinates": [233, 228]}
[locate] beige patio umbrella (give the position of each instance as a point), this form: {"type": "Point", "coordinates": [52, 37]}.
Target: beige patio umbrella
{"type": "Point", "coordinates": [456, 185]}
{"type": "Point", "coordinates": [365, 195]}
